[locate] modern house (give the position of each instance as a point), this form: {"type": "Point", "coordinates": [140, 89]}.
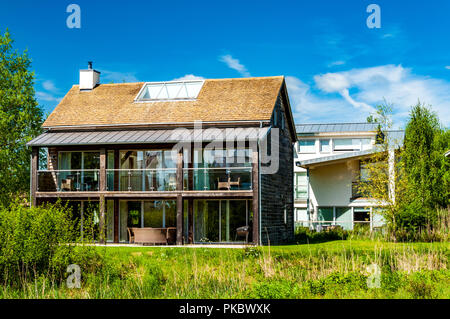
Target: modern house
{"type": "Point", "coordinates": [207, 160]}
{"type": "Point", "coordinates": [328, 165]}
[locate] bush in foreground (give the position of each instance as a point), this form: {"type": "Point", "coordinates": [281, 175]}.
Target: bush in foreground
{"type": "Point", "coordinates": [38, 242]}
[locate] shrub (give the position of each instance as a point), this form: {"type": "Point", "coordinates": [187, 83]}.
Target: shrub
{"type": "Point", "coordinates": [272, 290]}
{"type": "Point", "coordinates": [36, 242]}
{"type": "Point", "coordinates": [305, 235]}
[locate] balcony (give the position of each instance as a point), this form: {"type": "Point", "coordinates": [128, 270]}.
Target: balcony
{"type": "Point", "coordinates": [68, 180]}
{"type": "Point", "coordinates": [145, 180]}
{"type": "Point", "coordinates": [215, 179]}
{"type": "Point", "coordinates": [141, 180]}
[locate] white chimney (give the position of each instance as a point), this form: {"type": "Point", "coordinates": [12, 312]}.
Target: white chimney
{"type": "Point", "coordinates": [89, 78]}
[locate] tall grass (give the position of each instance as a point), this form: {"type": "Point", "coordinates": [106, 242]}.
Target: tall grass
{"type": "Point", "coordinates": [328, 270]}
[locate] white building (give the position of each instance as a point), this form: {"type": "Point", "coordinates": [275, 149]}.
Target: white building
{"type": "Point", "coordinates": [327, 168]}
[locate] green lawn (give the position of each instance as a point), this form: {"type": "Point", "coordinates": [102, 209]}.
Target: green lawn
{"type": "Point", "coordinates": [336, 269]}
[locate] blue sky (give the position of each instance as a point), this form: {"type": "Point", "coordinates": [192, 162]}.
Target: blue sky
{"type": "Point", "coordinates": [336, 68]}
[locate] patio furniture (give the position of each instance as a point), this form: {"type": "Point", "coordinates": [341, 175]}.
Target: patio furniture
{"type": "Point", "coordinates": [130, 235]}
{"type": "Point", "coordinates": [150, 235]}
{"type": "Point", "coordinates": [222, 184]}
{"type": "Point", "coordinates": [172, 184]}
{"type": "Point", "coordinates": [235, 183]}
{"type": "Point", "coordinates": [66, 184]}
{"type": "Point", "coordinates": [171, 235]}
{"type": "Point", "coordinates": [243, 231]}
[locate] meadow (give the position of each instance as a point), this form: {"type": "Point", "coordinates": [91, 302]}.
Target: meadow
{"type": "Point", "coordinates": [334, 269]}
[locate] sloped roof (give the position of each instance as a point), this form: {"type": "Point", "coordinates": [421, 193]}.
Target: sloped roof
{"type": "Point", "coordinates": [243, 99]}
{"type": "Point", "coordinates": [104, 137]}
{"type": "Point", "coordinates": [395, 138]}
{"type": "Point", "coordinates": [336, 128]}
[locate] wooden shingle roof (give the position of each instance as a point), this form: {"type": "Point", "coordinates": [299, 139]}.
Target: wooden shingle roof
{"type": "Point", "coordinates": [243, 99]}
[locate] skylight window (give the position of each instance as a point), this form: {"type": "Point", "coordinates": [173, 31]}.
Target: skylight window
{"type": "Point", "coordinates": [169, 91]}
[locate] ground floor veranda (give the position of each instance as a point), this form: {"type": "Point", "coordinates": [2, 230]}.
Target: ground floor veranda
{"type": "Point", "coordinates": [205, 221]}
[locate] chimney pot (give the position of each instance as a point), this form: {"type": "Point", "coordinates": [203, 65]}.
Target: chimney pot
{"type": "Point", "coordinates": [89, 78]}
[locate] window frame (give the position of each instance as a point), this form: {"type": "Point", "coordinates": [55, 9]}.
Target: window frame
{"type": "Point", "coordinates": [329, 145]}
{"type": "Point", "coordinates": [304, 140]}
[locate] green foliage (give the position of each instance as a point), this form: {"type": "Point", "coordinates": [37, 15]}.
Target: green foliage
{"type": "Point", "coordinates": [305, 235]}
{"type": "Point", "coordinates": [280, 289]}
{"type": "Point", "coordinates": [323, 270]}
{"type": "Point", "coordinates": [38, 241]}
{"type": "Point", "coordinates": [20, 119]}
{"type": "Point", "coordinates": [417, 187]}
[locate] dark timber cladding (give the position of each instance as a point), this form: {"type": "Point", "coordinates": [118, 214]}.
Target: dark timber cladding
{"type": "Point", "coordinates": [277, 213]}
{"type": "Point", "coordinates": [180, 210]}
{"type": "Point", "coordinates": [255, 182]}
{"type": "Point", "coordinates": [34, 176]}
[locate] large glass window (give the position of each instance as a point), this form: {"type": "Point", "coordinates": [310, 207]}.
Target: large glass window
{"type": "Point", "coordinates": [78, 171]}
{"type": "Point", "coordinates": [218, 220]}
{"type": "Point", "coordinates": [325, 216]}
{"type": "Point", "coordinates": [147, 170]}
{"type": "Point", "coordinates": [227, 169]}
{"type": "Point", "coordinates": [352, 144]}
{"type": "Point", "coordinates": [347, 144]}
{"type": "Point", "coordinates": [307, 146]}
{"type": "Point", "coordinates": [366, 144]}
{"type": "Point", "coordinates": [325, 146]}
{"type": "Point", "coordinates": [344, 217]}
{"type": "Point", "coordinates": [154, 214]}
{"type": "Point", "coordinates": [86, 215]}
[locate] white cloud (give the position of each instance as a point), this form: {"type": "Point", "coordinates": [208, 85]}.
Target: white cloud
{"type": "Point", "coordinates": [308, 107]}
{"type": "Point", "coordinates": [117, 77]}
{"type": "Point", "coordinates": [447, 67]}
{"type": "Point", "coordinates": [49, 85]}
{"type": "Point", "coordinates": [44, 96]}
{"type": "Point", "coordinates": [189, 77]}
{"type": "Point", "coordinates": [351, 95]}
{"type": "Point", "coordinates": [234, 64]}
{"type": "Point", "coordinates": [336, 63]}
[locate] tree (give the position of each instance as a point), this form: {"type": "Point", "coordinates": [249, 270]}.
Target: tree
{"type": "Point", "coordinates": [20, 119]}
{"type": "Point", "coordinates": [414, 184]}
{"type": "Point", "coordinates": [426, 167]}
{"type": "Point", "coordinates": [384, 182]}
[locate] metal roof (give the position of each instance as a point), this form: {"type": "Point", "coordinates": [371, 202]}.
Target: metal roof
{"type": "Point", "coordinates": [335, 157]}
{"type": "Point", "coordinates": [336, 128]}
{"type": "Point", "coordinates": [395, 138]}
{"type": "Point", "coordinates": [147, 136]}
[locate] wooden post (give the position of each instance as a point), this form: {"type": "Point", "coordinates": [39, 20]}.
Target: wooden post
{"type": "Point", "coordinates": [34, 174]}
{"type": "Point", "coordinates": [102, 182]}
{"type": "Point", "coordinates": [190, 221]}
{"type": "Point", "coordinates": [102, 219]}
{"type": "Point", "coordinates": [180, 209]}
{"type": "Point", "coordinates": [190, 200]}
{"type": "Point", "coordinates": [255, 202]}
{"type": "Point", "coordinates": [116, 220]}
{"type": "Point", "coordinates": [102, 188]}
{"type": "Point", "coordinates": [116, 167]}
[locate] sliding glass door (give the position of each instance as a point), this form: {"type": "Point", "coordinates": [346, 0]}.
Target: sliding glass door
{"type": "Point", "coordinates": [154, 214]}
{"type": "Point", "coordinates": [218, 220]}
